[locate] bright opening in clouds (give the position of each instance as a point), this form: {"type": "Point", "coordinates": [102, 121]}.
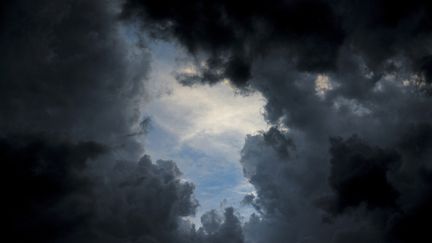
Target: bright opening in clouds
{"type": "Point", "coordinates": [202, 128]}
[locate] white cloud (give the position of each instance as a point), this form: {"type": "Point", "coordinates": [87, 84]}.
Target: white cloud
{"type": "Point", "coordinates": [212, 119]}
{"type": "Point", "coordinates": [202, 128]}
{"type": "Point", "coordinates": [208, 118]}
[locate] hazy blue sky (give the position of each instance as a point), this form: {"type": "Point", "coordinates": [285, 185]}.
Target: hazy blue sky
{"type": "Point", "coordinates": [202, 128]}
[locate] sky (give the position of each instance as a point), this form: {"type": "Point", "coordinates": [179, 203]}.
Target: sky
{"type": "Point", "coordinates": [207, 147]}
{"type": "Point", "coordinates": [163, 121]}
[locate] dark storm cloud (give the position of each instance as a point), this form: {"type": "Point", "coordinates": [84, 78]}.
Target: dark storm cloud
{"type": "Point", "coordinates": [138, 202]}
{"type": "Point", "coordinates": [232, 34]}
{"type": "Point", "coordinates": [70, 88]}
{"type": "Point", "coordinates": [65, 69]}
{"type": "Point", "coordinates": [414, 181]}
{"type": "Point", "coordinates": [56, 191]}
{"type": "Point", "coordinates": [216, 230]}
{"type": "Point", "coordinates": [371, 194]}
{"type": "Point", "coordinates": [399, 199]}
{"type": "Point", "coordinates": [338, 190]}
{"type": "Point", "coordinates": [328, 69]}
{"type": "Point", "coordinates": [44, 189]}
{"type": "Point", "coordinates": [411, 224]}
{"type": "Point", "coordinates": [71, 82]}
{"type": "Point", "coordinates": [284, 194]}
{"type": "Point", "coordinates": [357, 167]}
{"type": "Point", "coordinates": [314, 33]}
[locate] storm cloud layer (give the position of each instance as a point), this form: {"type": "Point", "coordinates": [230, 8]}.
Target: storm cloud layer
{"type": "Point", "coordinates": [348, 95]}
{"type": "Point", "coordinates": [347, 85]}
{"type": "Point", "coordinates": [315, 34]}
{"type": "Point", "coordinates": [60, 193]}
{"type": "Point", "coordinates": [71, 87]}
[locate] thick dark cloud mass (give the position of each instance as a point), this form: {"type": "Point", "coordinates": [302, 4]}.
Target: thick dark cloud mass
{"type": "Point", "coordinates": [65, 68]}
{"type": "Point", "coordinates": [314, 33]}
{"type": "Point", "coordinates": [216, 230]}
{"type": "Point", "coordinates": [71, 85]}
{"type": "Point", "coordinates": [348, 87]}
{"type": "Point", "coordinates": [284, 194]}
{"type": "Point", "coordinates": [370, 194]}
{"type": "Point", "coordinates": [348, 90]}
{"type": "Point", "coordinates": [44, 189]}
{"type": "Point", "coordinates": [372, 187]}
{"type": "Point", "coordinates": [56, 192]}
{"type": "Point", "coordinates": [232, 34]}
{"type": "Point", "coordinates": [399, 200]}
{"type": "Point", "coordinates": [356, 167]}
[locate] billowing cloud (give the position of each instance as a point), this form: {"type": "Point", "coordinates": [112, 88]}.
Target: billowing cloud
{"type": "Point", "coordinates": [68, 192]}
{"type": "Point", "coordinates": [231, 35]}
{"type": "Point", "coordinates": [71, 86]}
{"type": "Point", "coordinates": [315, 34]}
{"type": "Point", "coordinates": [347, 86]}
{"type": "Point", "coordinates": [218, 231]}
{"type": "Point", "coordinates": [65, 69]}
{"type": "Point", "coordinates": [356, 167]}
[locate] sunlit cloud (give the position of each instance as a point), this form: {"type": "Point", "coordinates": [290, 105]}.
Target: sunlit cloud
{"type": "Point", "coordinates": [202, 128]}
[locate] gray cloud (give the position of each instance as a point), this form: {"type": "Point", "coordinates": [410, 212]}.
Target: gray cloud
{"type": "Point", "coordinates": [68, 192]}
{"type": "Point", "coordinates": [315, 34]}
{"type": "Point", "coordinates": [66, 69]}
{"type": "Point", "coordinates": [71, 84]}
{"type": "Point", "coordinates": [231, 35]}
{"type": "Point", "coordinates": [348, 162]}
{"type": "Point", "coordinates": [286, 188]}
{"type": "Point", "coordinates": [357, 167]}
{"type": "Point", "coordinates": [66, 74]}
{"type": "Point", "coordinates": [218, 229]}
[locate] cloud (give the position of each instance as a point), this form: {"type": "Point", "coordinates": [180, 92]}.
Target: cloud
{"type": "Point", "coordinates": [61, 65]}
{"type": "Point", "coordinates": [356, 167]}
{"type": "Point", "coordinates": [286, 187]}
{"type": "Point", "coordinates": [47, 196]}
{"type": "Point", "coordinates": [218, 231]}
{"type": "Point", "coordinates": [71, 88]}
{"type": "Point", "coordinates": [68, 192]}
{"type": "Point", "coordinates": [72, 84]}
{"type": "Point", "coordinates": [374, 54]}
{"type": "Point", "coordinates": [364, 179]}
{"type": "Point", "coordinates": [203, 117]}
{"type": "Point", "coordinates": [232, 35]}
{"type": "Point", "coordinates": [281, 48]}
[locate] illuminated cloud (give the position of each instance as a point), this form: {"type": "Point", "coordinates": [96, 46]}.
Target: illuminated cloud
{"type": "Point", "coordinates": [203, 129]}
